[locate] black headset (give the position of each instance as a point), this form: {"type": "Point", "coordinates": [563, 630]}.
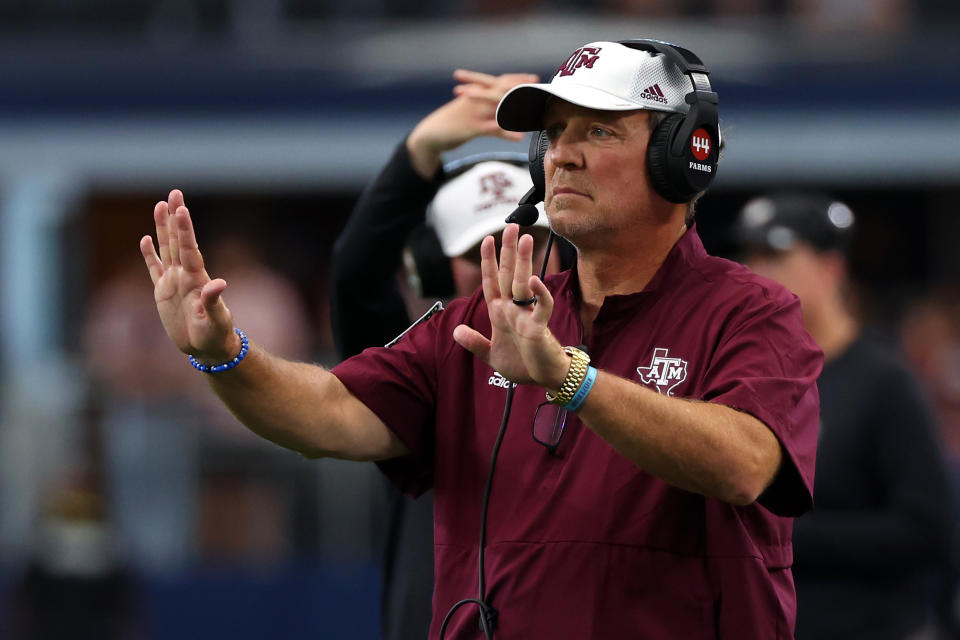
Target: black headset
{"type": "Point", "coordinates": [683, 150]}
{"type": "Point", "coordinates": [428, 267]}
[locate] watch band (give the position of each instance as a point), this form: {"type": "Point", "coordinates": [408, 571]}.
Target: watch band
{"type": "Point", "coordinates": [576, 374]}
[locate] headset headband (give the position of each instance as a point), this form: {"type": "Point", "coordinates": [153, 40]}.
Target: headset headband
{"type": "Point", "coordinates": [702, 98]}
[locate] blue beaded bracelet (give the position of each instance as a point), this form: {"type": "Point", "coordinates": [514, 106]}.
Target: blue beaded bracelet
{"type": "Point", "coordinates": [584, 389]}
{"type": "Point", "coordinates": [244, 345]}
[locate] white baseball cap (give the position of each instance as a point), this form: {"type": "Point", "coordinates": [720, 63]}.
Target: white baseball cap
{"type": "Point", "coordinates": [601, 75]}
{"type": "Point", "coordinates": [475, 203]}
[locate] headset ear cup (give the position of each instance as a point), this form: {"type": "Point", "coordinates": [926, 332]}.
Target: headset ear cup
{"type": "Point", "coordinates": [428, 268]}
{"type": "Point", "coordinates": [539, 143]}
{"type": "Point", "coordinates": [670, 183]}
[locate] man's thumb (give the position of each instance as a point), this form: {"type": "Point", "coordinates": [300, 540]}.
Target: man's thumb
{"type": "Point", "coordinates": [212, 303]}
{"type": "Point", "coordinates": [473, 341]}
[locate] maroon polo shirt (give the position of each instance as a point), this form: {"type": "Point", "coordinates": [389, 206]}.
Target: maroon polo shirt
{"type": "Point", "coordinates": [583, 543]}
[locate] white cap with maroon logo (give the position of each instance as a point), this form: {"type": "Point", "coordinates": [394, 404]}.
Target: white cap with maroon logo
{"type": "Point", "coordinates": [475, 203]}
{"type": "Point", "coordinates": [601, 75]}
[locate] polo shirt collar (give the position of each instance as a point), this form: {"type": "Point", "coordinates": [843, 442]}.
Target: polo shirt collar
{"type": "Point", "coordinates": [686, 253]}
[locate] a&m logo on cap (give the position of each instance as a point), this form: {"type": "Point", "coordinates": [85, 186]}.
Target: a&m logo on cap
{"type": "Point", "coordinates": [495, 183]}
{"type": "Point", "coordinates": [494, 188]}
{"type": "Point", "coordinates": [582, 57]}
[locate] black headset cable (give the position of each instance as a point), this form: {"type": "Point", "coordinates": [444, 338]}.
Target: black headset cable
{"type": "Point", "coordinates": [488, 615]}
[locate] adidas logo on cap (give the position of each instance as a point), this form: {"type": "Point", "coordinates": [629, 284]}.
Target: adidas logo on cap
{"type": "Point", "coordinates": [654, 93]}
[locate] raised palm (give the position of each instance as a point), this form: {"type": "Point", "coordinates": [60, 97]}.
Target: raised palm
{"type": "Point", "coordinates": [521, 346]}
{"type": "Point", "coordinates": [188, 301]}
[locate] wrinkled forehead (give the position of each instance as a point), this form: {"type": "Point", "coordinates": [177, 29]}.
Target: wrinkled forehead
{"type": "Point", "coordinates": [559, 110]}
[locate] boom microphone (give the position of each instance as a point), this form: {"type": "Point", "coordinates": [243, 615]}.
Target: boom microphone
{"type": "Point", "coordinates": [526, 213]}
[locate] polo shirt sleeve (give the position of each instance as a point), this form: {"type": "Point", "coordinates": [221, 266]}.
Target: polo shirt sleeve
{"type": "Point", "coordinates": [767, 365]}
{"type": "Point", "coordinates": [400, 385]}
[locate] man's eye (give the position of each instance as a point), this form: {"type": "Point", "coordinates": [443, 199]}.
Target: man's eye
{"type": "Point", "coordinates": [599, 132]}
{"type": "Point", "coordinates": [553, 132]}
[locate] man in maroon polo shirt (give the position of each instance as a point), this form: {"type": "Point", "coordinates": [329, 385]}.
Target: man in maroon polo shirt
{"type": "Point", "coordinates": [662, 506]}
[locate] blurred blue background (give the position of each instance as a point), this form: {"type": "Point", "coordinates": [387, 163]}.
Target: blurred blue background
{"type": "Point", "coordinates": [117, 468]}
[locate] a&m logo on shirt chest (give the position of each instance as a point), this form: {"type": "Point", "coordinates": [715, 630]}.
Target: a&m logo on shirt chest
{"type": "Point", "coordinates": [664, 372]}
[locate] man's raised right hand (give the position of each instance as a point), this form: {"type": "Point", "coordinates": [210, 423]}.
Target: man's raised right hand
{"type": "Point", "coordinates": [472, 113]}
{"type": "Point", "coordinates": [188, 301]}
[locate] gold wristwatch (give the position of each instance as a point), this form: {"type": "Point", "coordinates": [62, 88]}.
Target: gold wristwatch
{"type": "Point", "coordinates": [576, 374]}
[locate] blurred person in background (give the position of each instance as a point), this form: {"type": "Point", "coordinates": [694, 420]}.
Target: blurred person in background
{"type": "Point", "coordinates": [253, 495]}
{"type": "Point", "coordinates": [930, 337]}
{"type": "Point", "coordinates": [883, 513]}
{"type": "Point", "coordinates": [441, 213]}
{"type": "Point", "coordinates": [78, 583]}
{"type": "Point", "coordinates": [147, 414]}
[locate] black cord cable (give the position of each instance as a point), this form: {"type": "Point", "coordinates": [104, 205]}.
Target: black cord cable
{"type": "Point", "coordinates": [546, 254]}
{"type": "Point", "coordinates": [488, 615]}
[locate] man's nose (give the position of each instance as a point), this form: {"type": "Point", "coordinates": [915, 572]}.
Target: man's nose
{"type": "Point", "coordinates": [565, 152]}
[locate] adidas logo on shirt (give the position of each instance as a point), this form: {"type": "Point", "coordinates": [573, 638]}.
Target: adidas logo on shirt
{"type": "Point", "coordinates": [654, 93]}
{"type": "Point", "coordinates": [497, 380]}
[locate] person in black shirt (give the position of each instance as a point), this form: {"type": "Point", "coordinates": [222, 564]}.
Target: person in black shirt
{"type": "Point", "coordinates": [883, 515]}
{"type": "Point", "coordinates": [431, 217]}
